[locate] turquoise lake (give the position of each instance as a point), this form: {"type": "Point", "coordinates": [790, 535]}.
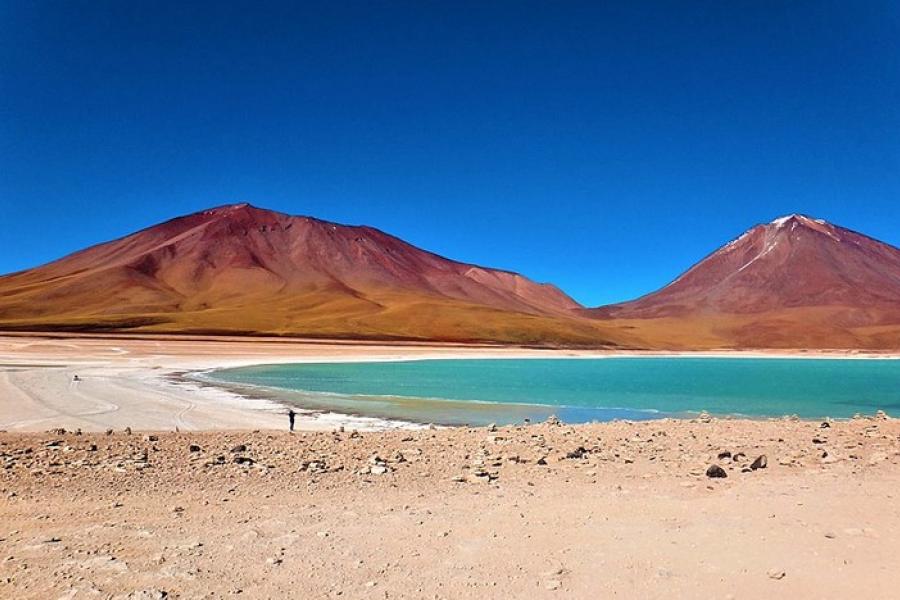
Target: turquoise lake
{"type": "Point", "coordinates": [479, 391]}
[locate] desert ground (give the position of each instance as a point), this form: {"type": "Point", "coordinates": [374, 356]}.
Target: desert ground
{"type": "Point", "coordinates": [231, 505]}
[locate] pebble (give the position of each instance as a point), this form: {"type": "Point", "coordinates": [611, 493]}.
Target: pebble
{"type": "Point", "coordinates": [776, 574]}
{"type": "Point", "coordinates": [761, 462]}
{"type": "Point", "coordinates": [716, 472]}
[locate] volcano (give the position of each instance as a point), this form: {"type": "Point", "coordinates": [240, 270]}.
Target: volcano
{"type": "Point", "coordinates": [239, 269]}
{"type": "Point", "coordinates": [797, 282]}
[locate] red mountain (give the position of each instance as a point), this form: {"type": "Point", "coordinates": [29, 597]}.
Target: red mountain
{"type": "Point", "coordinates": [794, 282]}
{"type": "Point", "coordinates": [242, 269]}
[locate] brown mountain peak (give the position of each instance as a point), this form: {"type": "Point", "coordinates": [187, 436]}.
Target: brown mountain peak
{"type": "Point", "coordinates": [240, 268]}
{"type": "Point", "coordinates": [795, 281]}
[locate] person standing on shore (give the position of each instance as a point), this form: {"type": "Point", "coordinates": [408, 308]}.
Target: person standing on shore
{"type": "Point", "coordinates": [291, 416]}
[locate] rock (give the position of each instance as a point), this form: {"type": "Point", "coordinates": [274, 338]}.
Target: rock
{"type": "Point", "coordinates": [239, 448]}
{"type": "Point", "coordinates": [128, 431]}
{"type": "Point", "coordinates": [578, 452]}
{"type": "Point", "coordinates": [761, 462]}
{"type": "Point", "coordinates": [776, 574]}
{"type": "Point", "coordinates": [243, 460]}
{"type": "Point", "coordinates": [724, 454]}
{"type": "Point", "coordinates": [818, 441]}
{"type": "Point", "coordinates": [825, 425]}
{"type": "Point", "coordinates": [881, 415]}
{"type": "Point", "coordinates": [378, 469]}
{"type": "Point", "coordinates": [194, 448]}
{"type": "Point", "coordinates": [151, 438]}
{"type": "Point", "coordinates": [492, 427]}
{"type": "Point", "coordinates": [109, 432]}
{"type": "Point", "coordinates": [715, 471]}
{"type": "Point", "coordinates": [541, 461]}
{"type": "Point", "coordinates": [314, 466]}
{"type": "Point", "coordinates": [553, 584]}
{"type": "Point", "coordinates": [148, 594]}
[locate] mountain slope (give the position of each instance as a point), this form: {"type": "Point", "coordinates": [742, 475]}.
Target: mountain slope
{"type": "Point", "coordinates": [242, 269]}
{"type": "Point", "coordinates": [794, 282]}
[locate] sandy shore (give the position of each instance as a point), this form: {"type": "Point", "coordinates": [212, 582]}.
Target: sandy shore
{"type": "Point", "coordinates": [127, 381]}
{"type": "Point", "coordinates": [606, 510]}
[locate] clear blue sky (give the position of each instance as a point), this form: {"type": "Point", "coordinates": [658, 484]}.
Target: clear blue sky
{"type": "Point", "coordinates": [603, 146]}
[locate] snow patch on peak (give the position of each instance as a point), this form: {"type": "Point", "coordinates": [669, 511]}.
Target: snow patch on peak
{"type": "Point", "coordinates": [731, 245]}
{"type": "Point", "coordinates": [782, 221]}
{"type": "Point", "coordinates": [797, 218]}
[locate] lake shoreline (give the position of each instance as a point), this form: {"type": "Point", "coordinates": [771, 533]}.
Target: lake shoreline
{"type": "Point", "coordinates": [123, 379]}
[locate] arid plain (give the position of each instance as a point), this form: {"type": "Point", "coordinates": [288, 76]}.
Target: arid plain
{"type": "Point", "coordinates": [612, 510]}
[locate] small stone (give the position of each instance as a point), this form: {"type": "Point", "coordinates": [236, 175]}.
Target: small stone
{"type": "Point", "coordinates": [553, 584]}
{"type": "Point", "coordinates": [761, 462]}
{"type": "Point", "coordinates": [378, 469]}
{"type": "Point", "coordinates": [128, 431]}
{"type": "Point", "coordinates": [830, 535]}
{"type": "Point", "coordinates": [776, 574]}
{"type": "Point", "coordinates": [492, 427]}
{"type": "Point", "coordinates": [715, 472]}
{"type": "Point", "coordinates": [724, 454]}
{"type": "Point", "coordinates": [239, 448]}
{"type": "Point", "coordinates": [148, 594]}
{"type": "Point", "coordinates": [578, 452]}
{"type": "Point", "coordinates": [194, 448]}
{"type": "Point", "coordinates": [151, 438]}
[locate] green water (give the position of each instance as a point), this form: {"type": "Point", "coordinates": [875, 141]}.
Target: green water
{"type": "Point", "coordinates": [581, 390]}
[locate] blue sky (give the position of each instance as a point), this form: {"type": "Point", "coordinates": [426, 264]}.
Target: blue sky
{"type": "Point", "coordinates": [602, 146]}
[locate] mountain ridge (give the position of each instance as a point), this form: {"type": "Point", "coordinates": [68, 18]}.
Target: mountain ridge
{"type": "Point", "coordinates": [238, 268]}
{"type": "Point", "coordinates": [794, 282]}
